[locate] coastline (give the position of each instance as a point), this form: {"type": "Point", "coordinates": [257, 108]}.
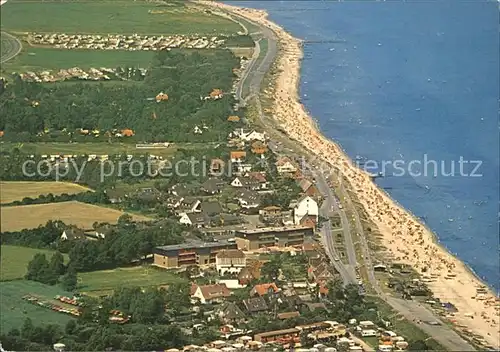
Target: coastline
{"type": "Point", "coordinates": [404, 236]}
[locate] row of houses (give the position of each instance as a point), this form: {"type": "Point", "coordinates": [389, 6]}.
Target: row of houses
{"type": "Point", "coordinates": [91, 74]}
{"type": "Point", "coordinates": [124, 42]}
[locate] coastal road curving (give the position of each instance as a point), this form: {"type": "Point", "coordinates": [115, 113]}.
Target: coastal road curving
{"type": "Point", "coordinates": [411, 310]}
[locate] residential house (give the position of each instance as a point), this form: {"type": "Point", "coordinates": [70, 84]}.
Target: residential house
{"type": "Point", "coordinates": [304, 206]}
{"type": "Point", "coordinates": [264, 289]}
{"type": "Point", "coordinates": [238, 156]}
{"type": "Point", "coordinates": [72, 233]}
{"type": "Point", "coordinates": [127, 132]}
{"type": "Point", "coordinates": [314, 306]}
{"type": "Point", "coordinates": [259, 148]}
{"type": "Point", "coordinates": [211, 293]}
{"type": "Point", "coordinates": [233, 118]}
{"type": "Point", "coordinates": [309, 188]}
{"type": "Point", "coordinates": [216, 94]}
{"type": "Point", "coordinates": [253, 136]}
{"type": "Point", "coordinates": [250, 272]}
{"type": "Point", "coordinates": [217, 167]}
{"type": "Point", "coordinates": [285, 166]}
{"type": "Point", "coordinates": [241, 168]}
{"type": "Point", "coordinates": [115, 196]}
{"type": "Point", "coordinates": [270, 211]}
{"type": "Point", "coordinates": [259, 177]}
{"type": "Point", "coordinates": [230, 261]}
{"type": "Point", "coordinates": [248, 199]}
{"type": "Point", "coordinates": [211, 208]}
{"type": "Point", "coordinates": [197, 130]}
{"type": "Point", "coordinates": [197, 220]}
{"type": "Point", "coordinates": [229, 219]}
{"type": "Point", "coordinates": [255, 305]}
{"type": "Point", "coordinates": [148, 194]}
{"type": "Point", "coordinates": [246, 182]}
{"type": "Point", "coordinates": [100, 232]}
{"type": "Point", "coordinates": [320, 274]}
{"type": "Point", "coordinates": [229, 313]}
{"type": "Point", "coordinates": [213, 186]}
{"type": "Point", "coordinates": [287, 218]}
{"type": "Point", "coordinates": [323, 291]}
{"type": "Point", "coordinates": [190, 205]}
{"type": "Point", "coordinates": [174, 202]}
{"type": "Point", "coordinates": [308, 220]}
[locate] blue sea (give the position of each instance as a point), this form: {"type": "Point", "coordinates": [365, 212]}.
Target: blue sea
{"type": "Point", "coordinates": [413, 83]}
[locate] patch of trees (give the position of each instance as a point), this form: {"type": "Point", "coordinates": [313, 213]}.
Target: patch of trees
{"type": "Point", "coordinates": [29, 108]}
{"type": "Point", "coordinates": [85, 335]}
{"type": "Point", "coordinates": [286, 190]}
{"type": "Point", "coordinates": [51, 272]}
{"type": "Point", "coordinates": [347, 302]}
{"type": "Point", "coordinates": [84, 197]}
{"type": "Point", "coordinates": [124, 244]}
{"type": "Point", "coordinates": [44, 237]}
{"type": "Point", "coordinates": [244, 41]}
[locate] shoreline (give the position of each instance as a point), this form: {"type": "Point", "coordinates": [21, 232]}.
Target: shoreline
{"type": "Point", "coordinates": [404, 236]}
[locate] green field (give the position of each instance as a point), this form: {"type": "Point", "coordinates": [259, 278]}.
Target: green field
{"type": "Point", "coordinates": [15, 310]}
{"type": "Point", "coordinates": [38, 59]}
{"type": "Point", "coordinates": [14, 261]}
{"type": "Point", "coordinates": [108, 280]}
{"type": "Point", "coordinates": [119, 17]}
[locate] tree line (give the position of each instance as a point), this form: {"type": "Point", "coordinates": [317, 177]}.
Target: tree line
{"type": "Point", "coordinates": [125, 243]}
{"type": "Point", "coordinates": [89, 197]}
{"type": "Point", "coordinates": [51, 272]}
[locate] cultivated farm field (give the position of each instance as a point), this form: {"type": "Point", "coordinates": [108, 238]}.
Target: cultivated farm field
{"type": "Point", "coordinates": [105, 281]}
{"type": "Point", "coordinates": [82, 215]}
{"type": "Point", "coordinates": [15, 310]}
{"type": "Point", "coordinates": [111, 17]}
{"type": "Point", "coordinates": [17, 190]}
{"type": "Point", "coordinates": [14, 261]}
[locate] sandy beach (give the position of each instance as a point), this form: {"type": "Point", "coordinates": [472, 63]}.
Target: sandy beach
{"type": "Point", "coordinates": [407, 240]}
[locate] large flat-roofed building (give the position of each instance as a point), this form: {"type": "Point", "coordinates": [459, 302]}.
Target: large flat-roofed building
{"type": "Point", "coordinates": [191, 253]}
{"type": "Point", "coordinates": [287, 236]}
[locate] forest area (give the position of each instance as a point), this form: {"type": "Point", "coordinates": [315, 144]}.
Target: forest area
{"type": "Point", "coordinates": [41, 112]}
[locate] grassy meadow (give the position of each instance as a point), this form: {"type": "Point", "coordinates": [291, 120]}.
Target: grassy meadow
{"type": "Point", "coordinates": [11, 191]}
{"type": "Point", "coordinates": [15, 310]}
{"type": "Point", "coordinates": [15, 259]}
{"type": "Point", "coordinates": [82, 215]}
{"type": "Point", "coordinates": [108, 17]}
{"type": "Point", "coordinates": [105, 281]}
{"type": "Point", "coordinates": [39, 59]}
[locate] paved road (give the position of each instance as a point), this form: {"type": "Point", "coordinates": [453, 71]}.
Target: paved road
{"type": "Point", "coordinates": [410, 309]}
{"type": "Point", "coordinates": [11, 44]}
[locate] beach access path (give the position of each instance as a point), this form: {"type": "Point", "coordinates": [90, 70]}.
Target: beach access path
{"type": "Point", "coordinates": [411, 310]}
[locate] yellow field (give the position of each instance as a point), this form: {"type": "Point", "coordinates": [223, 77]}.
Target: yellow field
{"type": "Point", "coordinates": [75, 213]}
{"type": "Point", "coordinates": [12, 191]}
